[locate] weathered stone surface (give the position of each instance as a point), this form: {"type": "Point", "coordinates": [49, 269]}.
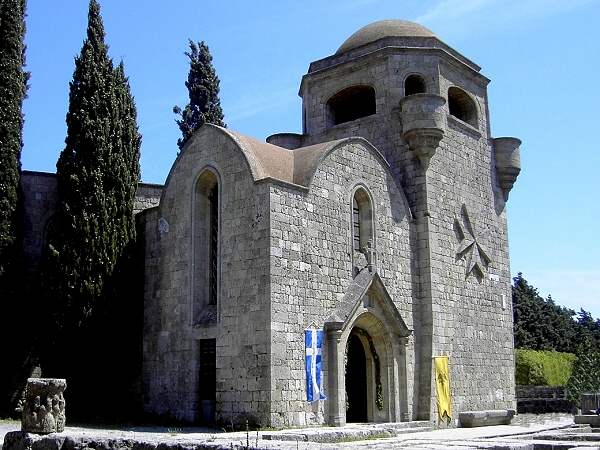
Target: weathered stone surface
{"type": "Point", "coordinates": [590, 403]}
{"type": "Point", "coordinates": [44, 409]}
{"type": "Point", "coordinates": [588, 419]}
{"type": "Point", "coordinates": [285, 261]}
{"type": "Point", "coordinates": [470, 419]}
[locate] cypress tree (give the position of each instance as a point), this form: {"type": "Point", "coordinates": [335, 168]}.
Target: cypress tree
{"type": "Point", "coordinates": [16, 358]}
{"type": "Point", "coordinates": [86, 259]}
{"type": "Point", "coordinates": [97, 175]}
{"type": "Point", "coordinates": [13, 88]}
{"type": "Point", "coordinates": [203, 90]}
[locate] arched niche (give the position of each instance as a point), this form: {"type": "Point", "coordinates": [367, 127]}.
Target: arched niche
{"type": "Point", "coordinates": [350, 104]}
{"type": "Point", "coordinates": [462, 106]}
{"type": "Point", "coordinates": [414, 84]}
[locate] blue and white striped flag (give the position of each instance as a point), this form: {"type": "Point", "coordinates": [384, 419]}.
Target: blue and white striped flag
{"type": "Point", "coordinates": [313, 342]}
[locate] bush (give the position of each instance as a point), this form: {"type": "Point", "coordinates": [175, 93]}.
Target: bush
{"type": "Point", "coordinates": [543, 368]}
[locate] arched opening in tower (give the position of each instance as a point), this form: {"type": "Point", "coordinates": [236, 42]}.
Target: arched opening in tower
{"type": "Point", "coordinates": [350, 104]}
{"type": "Point", "coordinates": [462, 106]}
{"type": "Point", "coordinates": [414, 84]}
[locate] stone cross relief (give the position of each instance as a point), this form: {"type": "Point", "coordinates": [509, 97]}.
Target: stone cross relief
{"type": "Point", "coordinates": [470, 247]}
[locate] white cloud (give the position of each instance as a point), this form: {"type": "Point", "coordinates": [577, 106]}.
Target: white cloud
{"type": "Point", "coordinates": [461, 16]}
{"type": "Point", "coordinates": [571, 288]}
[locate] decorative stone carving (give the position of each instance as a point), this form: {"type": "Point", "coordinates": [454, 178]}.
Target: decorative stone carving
{"type": "Point", "coordinates": [508, 162]}
{"type": "Point", "coordinates": [423, 124]}
{"type": "Point", "coordinates": [469, 246]}
{"type": "Point", "coordinates": [44, 409]}
{"type": "Point", "coordinates": [163, 226]}
{"type": "Point", "coordinates": [369, 253]}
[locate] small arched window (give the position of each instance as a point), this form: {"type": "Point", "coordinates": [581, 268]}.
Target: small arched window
{"type": "Point", "coordinates": [362, 220]}
{"type": "Point", "coordinates": [462, 106]}
{"type": "Point", "coordinates": [350, 104]}
{"type": "Point", "coordinates": [414, 84]}
{"type": "Point", "coordinates": [206, 247]}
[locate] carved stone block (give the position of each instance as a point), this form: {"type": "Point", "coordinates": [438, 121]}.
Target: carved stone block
{"type": "Point", "coordinates": [44, 408]}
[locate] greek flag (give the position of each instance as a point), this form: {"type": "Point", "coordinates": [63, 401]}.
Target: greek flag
{"type": "Point", "coordinates": [313, 342]}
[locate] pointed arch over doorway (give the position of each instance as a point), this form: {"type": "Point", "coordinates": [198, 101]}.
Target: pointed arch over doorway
{"type": "Point", "coordinates": [367, 340]}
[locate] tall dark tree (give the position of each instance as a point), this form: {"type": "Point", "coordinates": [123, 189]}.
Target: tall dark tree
{"type": "Point", "coordinates": [203, 89]}
{"type": "Point", "coordinates": [13, 88]}
{"type": "Point", "coordinates": [16, 358]}
{"type": "Point", "coordinates": [543, 325]}
{"type": "Point", "coordinates": [97, 175]}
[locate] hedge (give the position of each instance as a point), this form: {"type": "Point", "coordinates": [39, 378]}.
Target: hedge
{"type": "Point", "coordinates": [543, 368]}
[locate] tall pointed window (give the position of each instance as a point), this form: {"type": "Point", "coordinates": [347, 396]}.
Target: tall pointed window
{"type": "Point", "coordinates": [362, 220]}
{"type": "Point", "coordinates": [206, 248]}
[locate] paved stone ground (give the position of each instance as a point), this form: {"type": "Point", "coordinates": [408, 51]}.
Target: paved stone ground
{"type": "Point", "coordinates": [530, 432]}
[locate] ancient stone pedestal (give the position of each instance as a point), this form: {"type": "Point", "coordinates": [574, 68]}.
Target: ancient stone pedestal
{"type": "Point", "coordinates": [44, 408]}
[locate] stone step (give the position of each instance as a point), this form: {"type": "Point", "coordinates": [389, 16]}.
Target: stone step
{"type": "Point", "coordinates": [350, 432]}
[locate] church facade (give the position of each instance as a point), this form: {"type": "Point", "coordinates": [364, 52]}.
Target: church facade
{"type": "Point", "coordinates": [383, 225]}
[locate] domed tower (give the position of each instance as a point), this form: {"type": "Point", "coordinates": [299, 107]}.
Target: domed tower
{"type": "Point", "coordinates": [424, 106]}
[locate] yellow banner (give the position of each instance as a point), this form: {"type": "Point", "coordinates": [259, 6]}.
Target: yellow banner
{"type": "Point", "coordinates": [442, 383]}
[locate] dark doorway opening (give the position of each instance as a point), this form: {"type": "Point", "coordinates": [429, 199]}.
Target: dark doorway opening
{"type": "Point", "coordinates": [207, 381]}
{"type": "Point", "coordinates": [356, 381]}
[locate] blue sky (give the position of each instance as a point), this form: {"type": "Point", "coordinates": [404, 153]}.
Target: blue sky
{"type": "Point", "coordinates": [541, 55]}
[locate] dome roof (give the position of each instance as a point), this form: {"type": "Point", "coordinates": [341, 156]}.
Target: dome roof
{"type": "Point", "coordinates": [382, 29]}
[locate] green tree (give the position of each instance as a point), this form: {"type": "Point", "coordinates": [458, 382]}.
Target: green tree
{"type": "Point", "coordinates": [586, 372]}
{"type": "Point", "coordinates": [16, 357]}
{"type": "Point", "coordinates": [203, 90]}
{"type": "Point", "coordinates": [13, 89]}
{"type": "Point", "coordinates": [542, 324]}
{"type": "Point", "coordinates": [97, 175]}
{"type": "Point", "coordinates": [88, 253]}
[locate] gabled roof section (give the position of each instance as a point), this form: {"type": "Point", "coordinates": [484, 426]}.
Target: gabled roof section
{"type": "Point", "coordinates": [367, 284]}
{"type": "Point", "coordinates": [268, 161]}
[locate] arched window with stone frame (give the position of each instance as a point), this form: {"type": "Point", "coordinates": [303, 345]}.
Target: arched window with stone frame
{"type": "Point", "coordinates": [206, 243]}
{"type": "Point", "coordinates": [363, 239]}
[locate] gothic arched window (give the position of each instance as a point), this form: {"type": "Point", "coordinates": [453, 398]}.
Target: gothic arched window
{"type": "Point", "coordinates": [362, 220]}
{"type": "Point", "coordinates": [206, 247]}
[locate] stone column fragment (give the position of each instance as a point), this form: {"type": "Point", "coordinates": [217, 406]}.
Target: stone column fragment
{"type": "Point", "coordinates": [44, 408]}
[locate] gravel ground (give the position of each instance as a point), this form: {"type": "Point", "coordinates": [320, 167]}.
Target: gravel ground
{"type": "Point", "coordinates": [521, 433]}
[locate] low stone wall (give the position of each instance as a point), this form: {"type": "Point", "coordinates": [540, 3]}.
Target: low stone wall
{"type": "Point", "coordinates": [542, 399]}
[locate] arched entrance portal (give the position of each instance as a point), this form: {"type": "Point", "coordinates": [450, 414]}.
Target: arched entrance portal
{"type": "Point", "coordinates": [367, 356]}
{"type": "Point", "coordinates": [356, 380]}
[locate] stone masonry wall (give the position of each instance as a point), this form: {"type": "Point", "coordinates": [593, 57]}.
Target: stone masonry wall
{"type": "Point", "coordinates": [472, 319]}
{"type": "Point", "coordinates": [311, 266]}
{"type": "Point", "coordinates": [40, 201]}
{"type": "Point", "coordinates": [459, 316]}
{"type": "Point", "coordinates": [171, 343]}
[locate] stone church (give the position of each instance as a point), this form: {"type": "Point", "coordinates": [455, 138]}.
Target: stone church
{"type": "Point", "coordinates": [383, 224]}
